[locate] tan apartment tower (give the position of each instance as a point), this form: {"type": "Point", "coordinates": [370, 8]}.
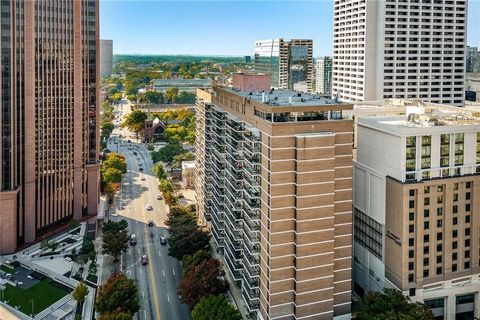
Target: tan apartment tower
{"type": "Point", "coordinates": [416, 208]}
{"type": "Point", "coordinates": [274, 182]}
{"type": "Point", "coordinates": [49, 117]}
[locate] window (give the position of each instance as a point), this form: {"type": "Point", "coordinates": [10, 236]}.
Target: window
{"type": "Point", "coordinates": [468, 185]}
{"type": "Point", "coordinates": [425, 273]}
{"type": "Point", "coordinates": [455, 186]}
{"type": "Point", "coordinates": [467, 219]}
{"type": "Point", "coordinates": [455, 197]}
{"type": "Point", "coordinates": [467, 196]}
{"type": "Point", "coordinates": [455, 221]}
{"type": "Point", "coordinates": [411, 253]}
{"type": "Point", "coordinates": [411, 204]}
{"type": "Point", "coordinates": [454, 233]}
{"type": "Point", "coordinates": [439, 199]}
{"type": "Point", "coordinates": [426, 225]}
{"type": "Point", "coordinates": [439, 223]}
{"type": "Point", "coordinates": [467, 232]}
{"type": "Point", "coordinates": [439, 188]}
{"type": "Point", "coordinates": [439, 236]}
{"type": "Point", "coordinates": [426, 201]}
{"type": "Point", "coordinates": [426, 189]}
{"type": "Point", "coordinates": [454, 267]}
{"type": "Point", "coordinates": [467, 242]}
{"type": "Point", "coordinates": [410, 266]}
{"type": "Point", "coordinates": [455, 209]}
{"type": "Point", "coordinates": [426, 213]}
{"type": "Point", "coordinates": [454, 256]}
{"type": "Point", "coordinates": [467, 254]}
{"type": "Point", "coordinates": [426, 250]}
{"type": "Point", "coordinates": [411, 292]}
{"type": "Point", "coordinates": [435, 303]}
{"type": "Point", "coordinates": [426, 238]}
{"type": "Point", "coordinates": [411, 216]}
{"type": "Point", "coordinates": [368, 232]}
{"type": "Point", "coordinates": [425, 262]}
{"type": "Point", "coordinates": [439, 211]}
{"type": "Point", "coordinates": [466, 298]}
{"type": "Point", "coordinates": [439, 259]}
{"type": "Point", "coordinates": [412, 193]}
{"type": "Point", "coordinates": [439, 247]}
{"type": "Point", "coordinates": [454, 245]}
{"type": "Point", "coordinates": [410, 277]}
{"type": "Point", "coordinates": [466, 265]}
{"type": "Point", "coordinates": [439, 270]}
{"type": "Point", "coordinates": [411, 228]}
{"type": "Point", "coordinates": [411, 242]}
{"type": "Point", "coordinates": [467, 207]}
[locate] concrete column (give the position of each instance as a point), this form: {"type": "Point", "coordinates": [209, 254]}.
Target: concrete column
{"type": "Point", "coordinates": [450, 307]}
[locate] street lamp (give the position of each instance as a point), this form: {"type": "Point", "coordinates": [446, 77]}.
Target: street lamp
{"type": "Point", "coordinates": [2, 288]}
{"type": "Point", "coordinates": [33, 314]}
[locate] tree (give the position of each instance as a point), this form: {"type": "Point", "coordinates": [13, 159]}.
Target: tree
{"type": "Point", "coordinates": [168, 152]}
{"type": "Point", "coordinates": [116, 161]}
{"type": "Point", "coordinates": [186, 241]}
{"type": "Point", "coordinates": [165, 186]}
{"type": "Point", "coordinates": [175, 133]}
{"type": "Point", "coordinates": [158, 170]}
{"type": "Point", "coordinates": [80, 292]}
{"type": "Point", "coordinates": [135, 121]}
{"type": "Point", "coordinates": [392, 305]}
{"type": "Point", "coordinates": [195, 259]}
{"type": "Point", "coordinates": [178, 159]}
{"type": "Point", "coordinates": [152, 97]}
{"type": "Point", "coordinates": [112, 175]}
{"type": "Point", "coordinates": [93, 267]}
{"type": "Point", "coordinates": [116, 97]}
{"type": "Point", "coordinates": [169, 198]}
{"type": "Point", "coordinates": [114, 226]}
{"type": "Point", "coordinates": [215, 308]}
{"type": "Point", "coordinates": [171, 93]}
{"type": "Point", "coordinates": [118, 294]}
{"type": "Point", "coordinates": [204, 280]}
{"type": "Point", "coordinates": [116, 316]}
{"type": "Point", "coordinates": [115, 240]}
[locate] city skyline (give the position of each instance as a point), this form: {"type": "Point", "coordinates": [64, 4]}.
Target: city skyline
{"type": "Point", "coordinates": [194, 34]}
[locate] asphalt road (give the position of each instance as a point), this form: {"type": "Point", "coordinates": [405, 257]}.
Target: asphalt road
{"type": "Point", "coordinates": [158, 280]}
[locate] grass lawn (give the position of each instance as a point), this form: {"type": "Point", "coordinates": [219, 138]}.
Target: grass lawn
{"type": "Point", "coordinates": [6, 269]}
{"type": "Point", "coordinates": [43, 295]}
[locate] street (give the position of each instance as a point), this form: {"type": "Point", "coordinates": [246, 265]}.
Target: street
{"type": "Point", "coordinates": [158, 280]}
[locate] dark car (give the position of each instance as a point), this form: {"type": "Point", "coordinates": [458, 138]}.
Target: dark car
{"type": "Point", "coordinates": [163, 241]}
{"type": "Point", "coordinates": [141, 168]}
{"type": "Point", "coordinates": [134, 153]}
{"type": "Point", "coordinates": [144, 260]}
{"type": "Point", "coordinates": [150, 223]}
{"type": "Point", "coordinates": [133, 239]}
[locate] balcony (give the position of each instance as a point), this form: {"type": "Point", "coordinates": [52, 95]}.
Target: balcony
{"type": "Point", "coordinates": [251, 299]}
{"type": "Point", "coordinates": [251, 213]}
{"type": "Point", "coordinates": [234, 125]}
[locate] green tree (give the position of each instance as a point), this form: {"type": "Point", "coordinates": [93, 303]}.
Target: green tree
{"type": "Point", "coordinates": [195, 259]}
{"type": "Point", "coordinates": [392, 305]}
{"type": "Point", "coordinates": [159, 171]}
{"type": "Point", "coordinates": [171, 94]}
{"type": "Point", "coordinates": [152, 97]}
{"type": "Point", "coordinates": [118, 294]}
{"type": "Point", "coordinates": [116, 97]}
{"type": "Point", "coordinates": [175, 133]}
{"type": "Point", "coordinates": [93, 267]}
{"type": "Point", "coordinates": [187, 241]}
{"type": "Point", "coordinates": [114, 243]}
{"type": "Point", "coordinates": [113, 91]}
{"type": "Point", "coordinates": [215, 308]}
{"type": "Point", "coordinates": [116, 161]}
{"type": "Point", "coordinates": [80, 292]}
{"type": "Point", "coordinates": [135, 121]}
{"type": "Point", "coordinates": [202, 281]}
{"type": "Point", "coordinates": [112, 175]}
{"type": "Point", "coordinates": [114, 226]}
{"type": "Point", "coordinates": [165, 186]}
{"type": "Point", "coordinates": [116, 316]}
{"type": "Point", "coordinates": [168, 152]}
{"type": "Point", "coordinates": [178, 159]}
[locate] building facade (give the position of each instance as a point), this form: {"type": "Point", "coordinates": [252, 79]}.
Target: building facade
{"type": "Point", "coordinates": [187, 85]}
{"type": "Point", "coordinates": [323, 75]}
{"type": "Point", "coordinates": [49, 117]}
{"type": "Point", "coordinates": [416, 205]}
{"type": "Point", "coordinates": [473, 60]}
{"type": "Point", "coordinates": [290, 63]}
{"type": "Point", "coordinates": [274, 180]}
{"type": "Point", "coordinates": [106, 58]}
{"type": "Point", "coordinates": [399, 49]}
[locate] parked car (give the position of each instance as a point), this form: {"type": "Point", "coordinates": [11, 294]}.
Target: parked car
{"type": "Point", "coordinates": [134, 153]}
{"type": "Point", "coordinates": [159, 197]}
{"type": "Point", "coordinates": [144, 259]}
{"type": "Point", "coordinates": [133, 239]}
{"type": "Point", "coordinates": [142, 178]}
{"type": "Point", "coordinates": [149, 207]}
{"type": "Point", "coordinates": [141, 168]}
{"type": "Point", "coordinates": [163, 241]}
{"type": "Point", "coordinates": [150, 223]}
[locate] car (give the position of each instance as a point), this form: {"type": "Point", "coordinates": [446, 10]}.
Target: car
{"type": "Point", "coordinates": [142, 178]}
{"type": "Point", "coordinates": [144, 259]}
{"type": "Point", "coordinates": [163, 241]}
{"type": "Point", "coordinates": [141, 168]}
{"type": "Point", "coordinates": [150, 223]}
{"type": "Point", "coordinates": [134, 153]}
{"type": "Point", "coordinates": [133, 239]}
{"type": "Point", "coordinates": [149, 207]}
{"type": "Point", "coordinates": [159, 197]}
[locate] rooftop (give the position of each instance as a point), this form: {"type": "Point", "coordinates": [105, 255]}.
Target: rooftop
{"type": "Point", "coordinates": [427, 120]}
{"type": "Point", "coordinates": [182, 82]}
{"type": "Point", "coordinates": [285, 98]}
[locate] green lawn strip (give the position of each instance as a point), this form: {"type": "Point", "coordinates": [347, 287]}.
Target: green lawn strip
{"type": "Point", "coordinates": [43, 294]}
{"type": "Point", "coordinates": [7, 269]}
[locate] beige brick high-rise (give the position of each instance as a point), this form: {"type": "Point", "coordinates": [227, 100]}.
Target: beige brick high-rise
{"type": "Point", "coordinates": [274, 178]}
{"type": "Point", "coordinates": [49, 117]}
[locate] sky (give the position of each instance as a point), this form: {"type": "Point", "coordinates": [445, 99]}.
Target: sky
{"type": "Point", "coordinates": [224, 27]}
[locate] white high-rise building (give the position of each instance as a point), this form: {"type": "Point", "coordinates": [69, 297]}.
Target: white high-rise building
{"type": "Point", "coordinates": [323, 75]}
{"type": "Point", "coordinates": [414, 49]}
{"type": "Point", "coordinates": [106, 58]}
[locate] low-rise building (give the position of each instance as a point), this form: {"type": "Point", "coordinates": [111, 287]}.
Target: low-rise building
{"type": "Point", "coordinates": [188, 174]}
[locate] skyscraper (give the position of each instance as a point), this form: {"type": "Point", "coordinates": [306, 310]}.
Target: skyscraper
{"type": "Point", "coordinates": [289, 63]}
{"type": "Point", "coordinates": [49, 119]}
{"type": "Point", "coordinates": [416, 207]}
{"type": "Point", "coordinates": [106, 58]}
{"type": "Point", "coordinates": [399, 49]}
{"type": "Point", "coordinates": [323, 75]}
{"type": "Point", "coordinates": [473, 59]}
{"type": "Point", "coordinates": [274, 178]}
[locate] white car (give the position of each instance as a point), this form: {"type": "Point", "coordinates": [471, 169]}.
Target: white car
{"type": "Point", "coordinates": [149, 207]}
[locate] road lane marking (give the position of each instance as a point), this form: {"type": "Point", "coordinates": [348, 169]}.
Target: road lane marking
{"type": "Point", "coordinates": [140, 270]}
{"type": "Point", "coordinates": [143, 295]}
{"type": "Point", "coordinates": [159, 253]}
{"type": "Point", "coordinates": [145, 314]}
{"type": "Point", "coordinates": [163, 272]}
{"type": "Point", "coordinates": [168, 298]}
{"type": "Point", "coordinates": [173, 272]}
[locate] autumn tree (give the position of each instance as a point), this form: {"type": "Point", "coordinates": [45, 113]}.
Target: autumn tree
{"type": "Point", "coordinates": [202, 281]}
{"type": "Point", "coordinates": [135, 121]}
{"type": "Point", "coordinates": [391, 304]}
{"type": "Point", "coordinates": [118, 294]}
{"type": "Point", "coordinates": [215, 308]}
{"type": "Point", "coordinates": [159, 171]}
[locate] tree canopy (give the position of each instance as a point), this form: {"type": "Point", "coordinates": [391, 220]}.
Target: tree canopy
{"type": "Point", "coordinates": [167, 153]}
{"type": "Point", "coordinates": [391, 305]}
{"type": "Point", "coordinates": [80, 292]}
{"type": "Point", "coordinates": [204, 280]}
{"type": "Point", "coordinates": [115, 238]}
{"type": "Point", "coordinates": [118, 294]}
{"type": "Point", "coordinates": [135, 121]}
{"type": "Point", "coordinates": [178, 159]}
{"type": "Point", "coordinates": [215, 308]}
